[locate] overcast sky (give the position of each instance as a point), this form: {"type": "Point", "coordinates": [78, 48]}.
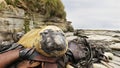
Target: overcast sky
{"type": "Point", "coordinates": [93, 14]}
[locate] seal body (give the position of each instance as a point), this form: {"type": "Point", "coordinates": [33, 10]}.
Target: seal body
{"type": "Point", "coordinates": [49, 41]}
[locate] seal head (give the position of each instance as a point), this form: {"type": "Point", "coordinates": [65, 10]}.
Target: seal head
{"type": "Point", "coordinates": [52, 41]}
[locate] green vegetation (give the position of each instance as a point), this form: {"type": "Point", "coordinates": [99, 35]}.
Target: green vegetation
{"type": "Point", "coordinates": [26, 26]}
{"type": "Point", "coordinates": [49, 8]}
{"type": "Point", "coordinates": [54, 8]}
{"type": "Point", "coordinates": [2, 6]}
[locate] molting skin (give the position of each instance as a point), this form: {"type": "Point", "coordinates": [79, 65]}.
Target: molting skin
{"type": "Point", "coordinates": [49, 41]}
{"type": "Point", "coordinates": [52, 41]}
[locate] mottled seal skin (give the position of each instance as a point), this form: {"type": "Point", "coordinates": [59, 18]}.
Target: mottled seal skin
{"type": "Point", "coordinates": [52, 41]}
{"type": "Point", "coordinates": [49, 41]}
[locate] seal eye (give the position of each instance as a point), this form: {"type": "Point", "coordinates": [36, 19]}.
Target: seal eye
{"type": "Point", "coordinates": [45, 32]}
{"type": "Point", "coordinates": [41, 33]}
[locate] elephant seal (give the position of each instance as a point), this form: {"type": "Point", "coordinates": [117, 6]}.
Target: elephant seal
{"type": "Point", "coordinates": [49, 41]}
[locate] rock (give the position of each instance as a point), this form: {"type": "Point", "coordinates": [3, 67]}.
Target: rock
{"type": "Point", "coordinates": [10, 22]}
{"type": "Point", "coordinates": [115, 46]}
{"type": "Point", "coordinates": [114, 65]}
{"type": "Point", "coordinates": [68, 34]}
{"type": "Point", "coordinates": [97, 65]}
{"type": "Point", "coordinates": [109, 55]}
{"type": "Point", "coordinates": [69, 66]}
{"type": "Point", "coordinates": [70, 38]}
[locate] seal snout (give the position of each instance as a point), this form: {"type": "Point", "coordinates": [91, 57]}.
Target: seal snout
{"type": "Point", "coordinates": [60, 42]}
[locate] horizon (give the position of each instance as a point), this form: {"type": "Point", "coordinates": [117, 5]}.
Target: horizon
{"type": "Point", "coordinates": [93, 14]}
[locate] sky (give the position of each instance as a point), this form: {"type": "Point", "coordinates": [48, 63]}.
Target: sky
{"type": "Point", "coordinates": [93, 14]}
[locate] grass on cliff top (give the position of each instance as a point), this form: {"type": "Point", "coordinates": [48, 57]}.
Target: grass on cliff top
{"type": "Point", "coordinates": [49, 8]}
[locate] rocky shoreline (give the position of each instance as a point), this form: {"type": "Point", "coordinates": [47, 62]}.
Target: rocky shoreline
{"type": "Point", "coordinates": [110, 39]}
{"type": "Point", "coordinates": [104, 37]}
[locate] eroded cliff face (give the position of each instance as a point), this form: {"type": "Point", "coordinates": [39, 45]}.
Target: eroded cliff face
{"type": "Point", "coordinates": [10, 22]}
{"type": "Point", "coordinates": [23, 15]}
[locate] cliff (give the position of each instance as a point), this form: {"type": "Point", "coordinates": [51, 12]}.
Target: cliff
{"type": "Point", "coordinates": [24, 15]}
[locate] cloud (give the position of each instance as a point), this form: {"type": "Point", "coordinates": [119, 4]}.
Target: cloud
{"type": "Point", "coordinates": [94, 14]}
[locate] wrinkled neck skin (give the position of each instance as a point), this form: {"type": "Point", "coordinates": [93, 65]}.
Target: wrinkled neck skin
{"type": "Point", "coordinates": [53, 42]}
